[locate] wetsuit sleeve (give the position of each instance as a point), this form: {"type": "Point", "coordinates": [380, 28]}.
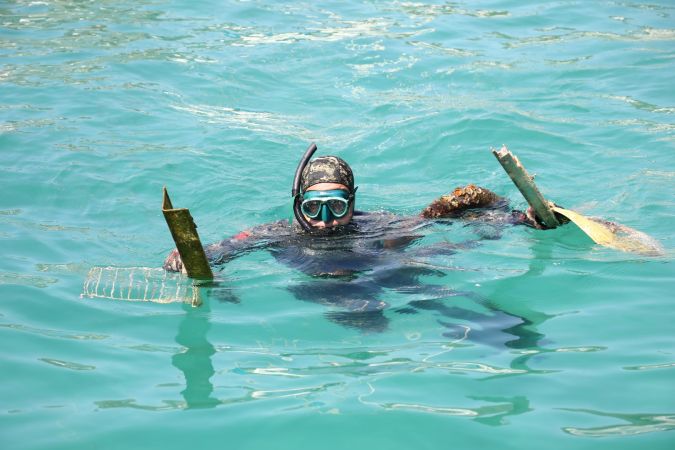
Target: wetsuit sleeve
{"type": "Point", "coordinates": [230, 248]}
{"type": "Point", "coordinates": [246, 241]}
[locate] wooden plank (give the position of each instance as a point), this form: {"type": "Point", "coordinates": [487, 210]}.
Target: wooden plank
{"type": "Point", "coordinates": [525, 184]}
{"type": "Point", "coordinates": [184, 233]}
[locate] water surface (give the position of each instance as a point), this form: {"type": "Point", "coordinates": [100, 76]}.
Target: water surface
{"type": "Point", "coordinates": [536, 338]}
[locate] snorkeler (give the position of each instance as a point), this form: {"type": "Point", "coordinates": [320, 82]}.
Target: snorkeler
{"type": "Point", "coordinates": [353, 257]}
{"type": "Point", "coordinates": [324, 197]}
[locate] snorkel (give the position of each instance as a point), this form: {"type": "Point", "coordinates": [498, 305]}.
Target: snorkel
{"type": "Point", "coordinates": [297, 198]}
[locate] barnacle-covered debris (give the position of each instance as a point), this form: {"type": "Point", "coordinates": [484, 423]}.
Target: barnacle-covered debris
{"type": "Point", "coordinates": [460, 200]}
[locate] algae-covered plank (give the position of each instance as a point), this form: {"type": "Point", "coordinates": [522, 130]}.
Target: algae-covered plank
{"type": "Point", "coordinates": [184, 233]}
{"type": "Point", "coordinates": [525, 184]}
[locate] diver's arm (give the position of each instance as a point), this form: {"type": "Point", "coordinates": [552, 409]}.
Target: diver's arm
{"type": "Point", "coordinates": [217, 253]}
{"type": "Point", "coordinates": [228, 249]}
{"type": "Point", "coordinates": [237, 245]}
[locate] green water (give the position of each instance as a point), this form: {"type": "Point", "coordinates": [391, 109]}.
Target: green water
{"type": "Point", "coordinates": [102, 103]}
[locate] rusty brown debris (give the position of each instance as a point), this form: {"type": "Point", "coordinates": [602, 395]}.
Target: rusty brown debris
{"type": "Point", "coordinates": [459, 201]}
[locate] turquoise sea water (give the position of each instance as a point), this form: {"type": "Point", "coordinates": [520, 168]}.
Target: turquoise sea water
{"type": "Point", "coordinates": [104, 102]}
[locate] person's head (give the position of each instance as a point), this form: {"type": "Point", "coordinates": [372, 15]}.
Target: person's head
{"type": "Point", "coordinates": [327, 192]}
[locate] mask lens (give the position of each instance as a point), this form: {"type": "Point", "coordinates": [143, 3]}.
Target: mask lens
{"type": "Point", "coordinates": [311, 208]}
{"type": "Point", "coordinates": [338, 207]}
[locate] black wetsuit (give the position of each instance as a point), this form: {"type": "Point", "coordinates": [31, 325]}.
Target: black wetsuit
{"type": "Point", "coordinates": [350, 267]}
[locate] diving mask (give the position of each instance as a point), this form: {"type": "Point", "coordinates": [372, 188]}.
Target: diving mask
{"type": "Point", "coordinates": [325, 205]}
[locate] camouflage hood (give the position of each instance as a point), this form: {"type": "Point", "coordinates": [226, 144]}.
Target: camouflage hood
{"type": "Point", "coordinates": [327, 169]}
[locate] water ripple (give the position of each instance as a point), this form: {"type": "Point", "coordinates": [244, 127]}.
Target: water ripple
{"type": "Point", "coordinates": [348, 30]}
{"type": "Point", "coordinates": [431, 409]}
{"type": "Point", "coordinates": [54, 333]}
{"type": "Point", "coordinates": [26, 280]}
{"type": "Point", "coordinates": [645, 34]}
{"type": "Point", "coordinates": [249, 395]}
{"type": "Point", "coordinates": [638, 104]}
{"type": "Point", "coordinates": [458, 52]}
{"type": "Point", "coordinates": [638, 424]}
{"type": "Point", "coordinates": [431, 11]}
{"type": "Point", "coordinates": [55, 13]}
{"type": "Point", "coordinates": [389, 66]}
{"type": "Point", "coordinates": [383, 367]}
{"type": "Point", "coordinates": [494, 414]}
{"type": "Point", "coordinates": [258, 121]}
{"type": "Point", "coordinates": [650, 366]}
{"type": "Point", "coordinates": [67, 364]}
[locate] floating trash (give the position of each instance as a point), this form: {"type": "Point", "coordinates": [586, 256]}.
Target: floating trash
{"type": "Point", "coordinates": [139, 284]}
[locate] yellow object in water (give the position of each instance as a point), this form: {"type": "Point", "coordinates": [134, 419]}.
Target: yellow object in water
{"type": "Point", "coordinates": [613, 235]}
